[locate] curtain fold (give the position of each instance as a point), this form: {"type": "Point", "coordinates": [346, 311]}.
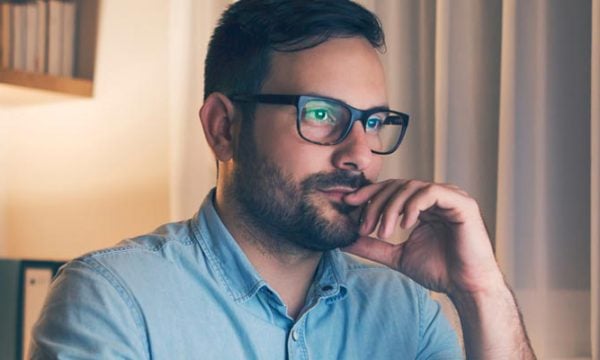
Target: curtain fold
{"type": "Point", "coordinates": [508, 119]}
{"type": "Point", "coordinates": [549, 207]}
{"type": "Point", "coordinates": [595, 182]}
{"type": "Point", "coordinates": [412, 44]}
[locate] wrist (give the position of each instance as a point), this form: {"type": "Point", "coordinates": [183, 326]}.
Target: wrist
{"type": "Point", "coordinates": [491, 323]}
{"type": "Point", "coordinates": [489, 286]}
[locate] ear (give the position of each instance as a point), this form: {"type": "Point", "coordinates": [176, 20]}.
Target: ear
{"type": "Point", "coordinates": [217, 117]}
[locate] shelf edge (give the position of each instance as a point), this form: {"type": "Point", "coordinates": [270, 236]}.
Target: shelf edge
{"type": "Point", "coordinates": [73, 86]}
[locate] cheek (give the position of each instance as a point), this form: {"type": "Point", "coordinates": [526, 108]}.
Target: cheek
{"type": "Point", "coordinates": [301, 159]}
{"type": "Point", "coordinates": [278, 140]}
{"type": "Point", "coordinates": [273, 130]}
{"type": "Point", "coordinates": [372, 173]}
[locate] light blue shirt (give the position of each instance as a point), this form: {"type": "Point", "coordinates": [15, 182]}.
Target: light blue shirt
{"type": "Point", "coordinates": [187, 291]}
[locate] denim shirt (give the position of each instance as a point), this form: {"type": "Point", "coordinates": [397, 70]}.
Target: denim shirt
{"type": "Point", "coordinates": [187, 291]}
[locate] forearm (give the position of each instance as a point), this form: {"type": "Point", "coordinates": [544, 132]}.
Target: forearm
{"type": "Point", "coordinates": [492, 325]}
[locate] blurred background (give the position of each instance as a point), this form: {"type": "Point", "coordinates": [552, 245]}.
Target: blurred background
{"type": "Point", "coordinates": [504, 98]}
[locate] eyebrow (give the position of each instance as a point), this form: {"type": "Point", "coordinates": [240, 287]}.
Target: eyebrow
{"type": "Point", "coordinates": [377, 107]}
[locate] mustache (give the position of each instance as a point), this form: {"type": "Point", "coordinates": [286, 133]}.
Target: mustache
{"type": "Point", "coordinates": [336, 178]}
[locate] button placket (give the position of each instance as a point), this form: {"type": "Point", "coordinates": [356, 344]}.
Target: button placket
{"type": "Point", "coordinates": [296, 345]}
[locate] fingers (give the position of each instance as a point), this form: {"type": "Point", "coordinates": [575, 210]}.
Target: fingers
{"type": "Point", "coordinates": [366, 193]}
{"type": "Point", "coordinates": [387, 201]}
{"type": "Point", "coordinates": [377, 206]}
{"type": "Point", "coordinates": [422, 200]}
{"type": "Point", "coordinates": [395, 207]}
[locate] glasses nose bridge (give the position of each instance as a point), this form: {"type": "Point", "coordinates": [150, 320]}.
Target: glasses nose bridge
{"type": "Point", "coordinates": [358, 115]}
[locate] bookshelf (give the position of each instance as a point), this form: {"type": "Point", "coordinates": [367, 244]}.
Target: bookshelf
{"type": "Point", "coordinates": [54, 65]}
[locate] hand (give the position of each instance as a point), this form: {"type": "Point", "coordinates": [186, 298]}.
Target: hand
{"type": "Point", "coordinates": [448, 250]}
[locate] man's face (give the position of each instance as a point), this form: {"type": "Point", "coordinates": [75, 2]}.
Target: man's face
{"type": "Point", "coordinates": [294, 189]}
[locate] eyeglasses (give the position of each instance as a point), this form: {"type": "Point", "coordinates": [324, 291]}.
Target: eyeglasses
{"type": "Point", "coordinates": [326, 121]}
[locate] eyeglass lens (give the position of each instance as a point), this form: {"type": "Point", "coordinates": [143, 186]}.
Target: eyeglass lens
{"type": "Point", "coordinates": [325, 122]}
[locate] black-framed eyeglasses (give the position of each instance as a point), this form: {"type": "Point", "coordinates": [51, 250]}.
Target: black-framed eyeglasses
{"type": "Point", "coordinates": [326, 121]}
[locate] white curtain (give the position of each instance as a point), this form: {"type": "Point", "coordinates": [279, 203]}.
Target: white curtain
{"type": "Point", "coordinates": [500, 101]}
{"type": "Point", "coordinates": [595, 181]}
{"type": "Point", "coordinates": [504, 98]}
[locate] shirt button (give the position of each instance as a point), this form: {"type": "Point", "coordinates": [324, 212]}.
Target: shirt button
{"type": "Point", "coordinates": [294, 335]}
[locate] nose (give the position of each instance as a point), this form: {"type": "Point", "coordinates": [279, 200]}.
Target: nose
{"type": "Point", "coordinates": [353, 153]}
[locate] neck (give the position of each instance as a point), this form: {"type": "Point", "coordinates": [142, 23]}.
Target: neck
{"type": "Point", "coordinates": [287, 268]}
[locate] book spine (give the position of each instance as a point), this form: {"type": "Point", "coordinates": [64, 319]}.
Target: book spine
{"type": "Point", "coordinates": [6, 37]}
{"type": "Point", "coordinates": [69, 17]}
{"type": "Point", "coordinates": [2, 43]}
{"type": "Point", "coordinates": [31, 31]}
{"type": "Point", "coordinates": [55, 37]}
{"type": "Point", "coordinates": [42, 38]}
{"type": "Point", "coordinates": [19, 45]}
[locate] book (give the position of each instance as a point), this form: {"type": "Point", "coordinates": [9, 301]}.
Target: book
{"type": "Point", "coordinates": [31, 23]}
{"type": "Point", "coordinates": [36, 284]}
{"type": "Point", "coordinates": [69, 28]}
{"type": "Point", "coordinates": [42, 38]}
{"type": "Point", "coordinates": [5, 37]}
{"type": "Point", "coordinates": [19, 38]}
{"type": "Point", "coordinates": [24, 285]}
{"type": "Point", "coordinates": [55, 37]}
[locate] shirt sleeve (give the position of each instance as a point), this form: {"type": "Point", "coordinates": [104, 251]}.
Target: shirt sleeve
{"type": "Point", "coordinates": [88, 315]}
{"type": "Point", "coordinates": [438, 339]}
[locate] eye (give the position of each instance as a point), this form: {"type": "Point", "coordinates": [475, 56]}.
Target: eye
{"type": "Point", "coordinates": [373, 124]}
{"type": "Point", "coordinates": [319, 115]}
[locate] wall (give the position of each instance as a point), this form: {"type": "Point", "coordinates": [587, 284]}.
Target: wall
{"type": "Point", "coordinates": [78, 174]}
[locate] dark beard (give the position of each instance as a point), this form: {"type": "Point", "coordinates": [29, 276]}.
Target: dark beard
{"type": "Point", "coordinates": [273, 204]}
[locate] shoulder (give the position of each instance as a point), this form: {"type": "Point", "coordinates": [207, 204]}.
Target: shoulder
{"type": "Point", "coordinates": [137, 262]}
{"type": "Point", "coordinates": [165, 244]}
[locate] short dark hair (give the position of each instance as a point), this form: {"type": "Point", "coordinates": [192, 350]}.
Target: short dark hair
{"type": "Point", "coordinates": [239, 52]}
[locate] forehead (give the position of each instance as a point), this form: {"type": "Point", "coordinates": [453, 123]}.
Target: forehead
{"type": "Point", "coordinates": [348, 69]}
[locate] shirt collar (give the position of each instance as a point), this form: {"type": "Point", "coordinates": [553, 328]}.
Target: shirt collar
{"type": "Point", "coordinates": [330, 278]}
{"type": "Point", "coordinates": [241, 280]}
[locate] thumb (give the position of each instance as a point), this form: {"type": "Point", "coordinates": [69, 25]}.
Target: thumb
{"type": "Point", "coordinates": [376, 250]}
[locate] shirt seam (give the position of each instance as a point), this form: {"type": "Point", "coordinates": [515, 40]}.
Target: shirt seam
{"type": "Point", "coordinates": [139, 247]}
{"type": "Point", "coordinates": [216, 265]}
{"type": "Point", "coordinates": [420, 304]}
{"type": "Point", "coordinates": [369, 269]}
{"type": "Point", "coordinates": [303, 337]}
{"type": "Point", "coordinates": [133, 307]}
{"type": "Point", "coordinates": [334, 270]}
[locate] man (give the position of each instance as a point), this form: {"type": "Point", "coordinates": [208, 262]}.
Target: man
{"type": "Point", "coordinates": [296, 114]}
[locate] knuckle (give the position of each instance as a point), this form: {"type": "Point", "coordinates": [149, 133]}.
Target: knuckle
{"type": "Point", "coordinates": [414, 183]}
{"type": "Point", "coordinates": [472, 203]}
{"type": "Point", "coordinates": [387, 217]}
{"type": "Point", "coordinates": [431, 189]}
{"type": "Point", "coordinates": [454, 187]}
{"type": "Point", "coordinates": [411, 205]}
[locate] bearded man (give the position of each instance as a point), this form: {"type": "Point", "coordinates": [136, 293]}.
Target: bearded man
{"type": "Point", "coordinates": [297, 115]}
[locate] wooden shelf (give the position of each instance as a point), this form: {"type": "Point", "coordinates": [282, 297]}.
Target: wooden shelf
{"type": "Point", "coordinates": [74, 86]}
{"type": "Point", "coordinates": [82, 83]}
